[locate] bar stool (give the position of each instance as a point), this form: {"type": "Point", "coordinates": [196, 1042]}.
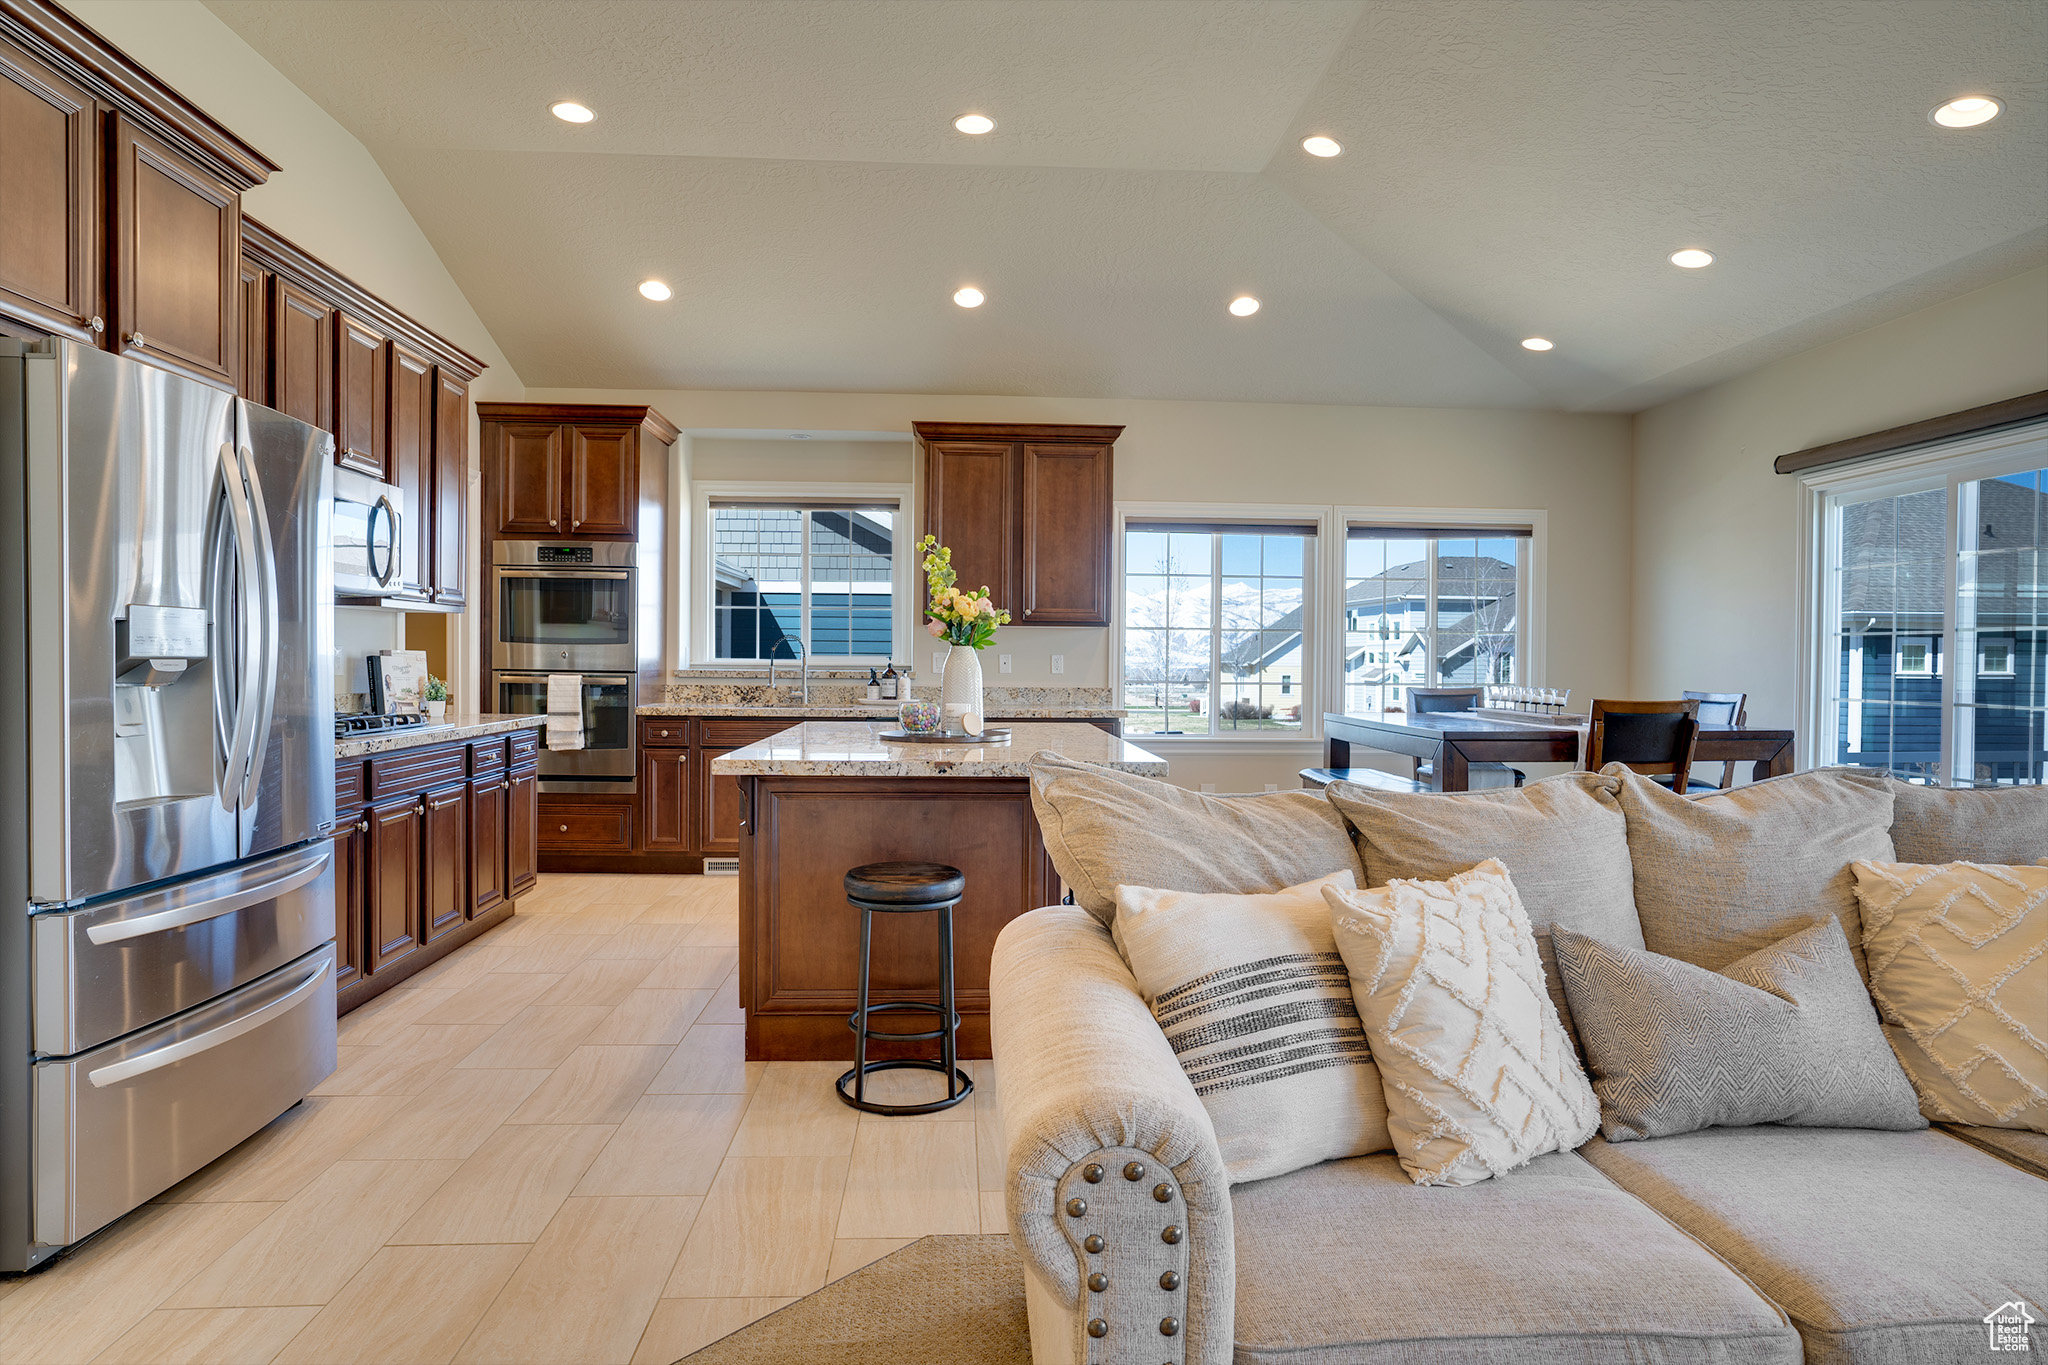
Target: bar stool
{"type": "Point", "coordinates": [906, 889]}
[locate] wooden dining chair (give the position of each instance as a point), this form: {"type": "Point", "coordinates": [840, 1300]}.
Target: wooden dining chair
{"type": "Point", "coordinates": [1655, 738]}
{"type": "Point", "coordinates": [1719, 711]}
{"type": "Point", "coordinates": [1423, 701]}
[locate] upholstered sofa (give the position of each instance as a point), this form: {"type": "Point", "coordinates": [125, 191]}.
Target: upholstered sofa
{"type": "Point", "coordinates": [1727, 1245]}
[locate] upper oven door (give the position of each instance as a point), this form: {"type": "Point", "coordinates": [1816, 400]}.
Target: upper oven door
{"type": "Point", "coordinates": [564, 620]}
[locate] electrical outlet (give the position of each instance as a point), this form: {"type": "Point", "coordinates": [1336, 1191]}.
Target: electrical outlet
{"type": "Point", "coordinates": [1003, 664]}
{"type": "Point", "coordinates": [1209, 788]}
{"type": "Point", "coordinates": [938, 663]}
{"type": "Point", "coordinates": [1059, 663]}
{"type": "Point", "coordinates": [1272, 786]}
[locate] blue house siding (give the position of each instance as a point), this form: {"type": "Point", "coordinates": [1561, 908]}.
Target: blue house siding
{"type": "Point", "coordinates": [1901, 714]}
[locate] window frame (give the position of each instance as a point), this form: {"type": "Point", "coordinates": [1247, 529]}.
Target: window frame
{"type": "Point", "coordinates": [904, 577]}
{"type": "Point", "coordinates": [1944, 465]}
{"type": "Point", "coordinates": [2008, 643]}
{"type": "Point", "coordinates": [1929, 654]}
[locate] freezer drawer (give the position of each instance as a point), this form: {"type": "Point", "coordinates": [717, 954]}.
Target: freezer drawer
{"type": "Point", "coordinates": [111, 968]}
{"type": "Point", "coordinates": [124, 1122]}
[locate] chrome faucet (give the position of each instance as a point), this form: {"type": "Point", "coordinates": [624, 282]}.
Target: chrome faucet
{"type": "Point", "coordinates": [803, 666]}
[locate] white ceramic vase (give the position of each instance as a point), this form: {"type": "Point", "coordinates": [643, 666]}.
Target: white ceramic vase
{"type": "Point", "coordinates": [960, 689]}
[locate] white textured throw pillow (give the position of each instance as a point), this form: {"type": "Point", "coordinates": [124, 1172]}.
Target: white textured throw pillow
{"type": "Point", "coordinates": [1479, 1075]}
{"type": "Point", "coordinates": [1250, 992]}
{"type": "Point", "coordinates": [1958, 957]}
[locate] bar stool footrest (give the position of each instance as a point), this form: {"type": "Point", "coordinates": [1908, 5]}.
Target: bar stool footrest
{"type": "Point", "coordinates": [853, 1022]}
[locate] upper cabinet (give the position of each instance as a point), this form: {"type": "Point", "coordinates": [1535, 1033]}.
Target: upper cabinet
{"type": "Point", "coordinates": [1028, 512]}
{"type": "Point", "coordinates": [450, 480]}
{"type": "Point", "coordinates": [583, 470]}
{"type": "Point", "coordinates": [120, 202]}
{"type": "Point", "coordinates": [362, 379]}
{"type": "Point", "coordinates": [302, 354]}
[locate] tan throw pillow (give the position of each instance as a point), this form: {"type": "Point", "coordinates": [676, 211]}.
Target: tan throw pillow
{"type": "Point", "coordinates": [1959, 968]}
{"type": "Point", "coordinates": [2001, 825]}
{"type": "Point", "coordinates": [1250, 992]}
{"type": "Point", "coordinates": [1563, 840]}
{"type": "Point", "coordinates": [1479, 1075]}
{"type": "Point", "coordinates": [1784, 1035]}
{"type": "Point", "coordinates": [1105, 829]}
{"type": "Point", "coordinates": [1719, 877]}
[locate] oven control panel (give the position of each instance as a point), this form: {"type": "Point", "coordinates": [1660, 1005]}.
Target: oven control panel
{"type": "Point", "coordinates": [562, 554]}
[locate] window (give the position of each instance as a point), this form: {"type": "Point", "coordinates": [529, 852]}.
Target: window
{"type": "Point", "coordinates": [1431, 607]}
{"type": "Point", "coordinates": [1214, 621]}
{"type": "Point", "coordinates": [820, 574]}
{"type": "Point", "coordinates": [1924, 558]}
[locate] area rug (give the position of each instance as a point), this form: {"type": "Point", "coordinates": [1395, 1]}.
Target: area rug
{"type": "Point", "coordinates": [938, 1301]}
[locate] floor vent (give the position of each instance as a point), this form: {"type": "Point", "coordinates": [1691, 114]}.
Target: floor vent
{"type": "Point", "coordinates": [721, 867]}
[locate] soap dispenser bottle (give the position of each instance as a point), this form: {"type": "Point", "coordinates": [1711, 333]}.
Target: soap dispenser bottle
{"type": "Point", "coordinates": [889, 685]}
{"type": "Point", "coordinates": [874, 686]}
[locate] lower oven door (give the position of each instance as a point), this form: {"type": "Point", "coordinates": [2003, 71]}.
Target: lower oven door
{"type": "Point", "coordinates": [114, 966]}
{"type": "Point", "coordinates": [124, 1122]}
{"type": "Point", "coordinates": [606, 758]}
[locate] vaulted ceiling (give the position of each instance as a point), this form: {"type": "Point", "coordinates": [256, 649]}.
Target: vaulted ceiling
{"type": "Point", "coordinates": [1510, 168]}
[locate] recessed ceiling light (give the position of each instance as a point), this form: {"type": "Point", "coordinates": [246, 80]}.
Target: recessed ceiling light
{"type": "Point", "coordinates": [568, 111]}
{"type": "Point", "coordinates": [1244, 305]}
{"type": "Point", "coordinates": [1692, 258]}
{"type": "Point", "coordinates": [1536, 343]}
{"type": "Point", "coordinates": [1321, 146]}
{"type": "Point", "coordinates": [655, 289]}
{"type": "Point", "coordinates": [970, 297]}
{"type": "Point", "coordinates": [1966, 112]}
{"type": "Point", "coordinates": [975, 125]}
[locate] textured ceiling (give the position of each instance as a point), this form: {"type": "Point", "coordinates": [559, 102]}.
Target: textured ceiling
{"type": "Point", "coordinates": [1512, 167]}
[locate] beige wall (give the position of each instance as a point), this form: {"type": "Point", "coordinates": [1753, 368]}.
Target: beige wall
{"type": "Point", "coordinates": [1231, 454]}
{"type": "Point", "coordinates": [1716, 571]}
{"type": "Point", "coordinates": [331, 197]}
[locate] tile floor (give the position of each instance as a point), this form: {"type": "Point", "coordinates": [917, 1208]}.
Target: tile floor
{"type": "Point", "coordinates": [547, 1148]}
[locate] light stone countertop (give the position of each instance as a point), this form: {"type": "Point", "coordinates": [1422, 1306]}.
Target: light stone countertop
{"type": "Point", "coordinates": [882, 711]}
{"type": "Point", "coordinates": [456, 728]}
{"type": "Point", "coordinates": [848, 749]}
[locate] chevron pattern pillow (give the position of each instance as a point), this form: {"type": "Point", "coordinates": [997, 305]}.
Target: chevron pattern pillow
{"type": "Point", "coordinates": [1958, 958]}
{"type": "Point", "coordinates": [1786, 1034]}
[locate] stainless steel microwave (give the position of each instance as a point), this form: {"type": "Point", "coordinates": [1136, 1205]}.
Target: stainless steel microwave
{"type": "Point", "coordinates": [367, 540]}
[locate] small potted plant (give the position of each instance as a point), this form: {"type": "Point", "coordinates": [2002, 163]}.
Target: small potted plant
{"type": "Point", "coordinates": [434, 697]}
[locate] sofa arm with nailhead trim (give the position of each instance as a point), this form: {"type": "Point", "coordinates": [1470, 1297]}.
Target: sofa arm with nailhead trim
{"type": "Point", "coordinates": [1115, 1187]}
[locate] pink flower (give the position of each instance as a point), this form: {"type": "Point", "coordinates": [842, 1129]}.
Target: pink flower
{"type": "Point", "coordinates": [934, 628]}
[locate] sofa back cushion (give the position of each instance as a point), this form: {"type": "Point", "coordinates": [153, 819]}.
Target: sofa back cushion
{"type": "Point", "coordinates": [1718, 877]}
{"type": "Point", "coordinates": [1104, 829]}
{"type": "Point", "coordinates": [1969, 824]}
{"type": "Point", "coordinates": [1253, 997]}
{"type": "Point", "coordinates": [1563, 841]}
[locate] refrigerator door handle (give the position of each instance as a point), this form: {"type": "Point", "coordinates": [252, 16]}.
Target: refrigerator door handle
{"type": "Point", "coordinates": [241, 898]}
{"type": "Point", "coordinates": [241, 741]}
{"type": "Point", "coordinates": [267, 659]}
{"type": "Point", "coordinates": [157, 1058]}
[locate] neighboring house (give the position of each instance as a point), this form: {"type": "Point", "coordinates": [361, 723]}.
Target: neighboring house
{"type": "Point", "coordinates": [757, 565]}
{"type": "Point", "coordinates": [1894, 594]}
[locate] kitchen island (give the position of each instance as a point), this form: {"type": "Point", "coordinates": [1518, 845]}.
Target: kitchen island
{"type": "Point", "coordinates": [821, 798]}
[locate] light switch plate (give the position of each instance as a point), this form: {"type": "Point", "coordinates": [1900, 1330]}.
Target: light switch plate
{"type": "Point", "coordinates": [1003, 664]}
{"type": "Point", "coordinates": [1059, 663]}
{"type": "Point", "coordinates": [938, 663]}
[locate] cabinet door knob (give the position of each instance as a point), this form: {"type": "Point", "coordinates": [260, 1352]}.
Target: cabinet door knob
{"type": "Point", "coordinates": [97, 323]}
{"type": "Point", "coordinates": [137, 340]}
{"type": "Point", "coordinates": [553, 522]}
{"type": "Point", "coordinates": [506, 785]}
{"type": "Point", "coordinates": [422, 806]}
{"type": "Point", "coordinates": [362, 826]}
{"type": "Point", "coordinates": [564, 829]}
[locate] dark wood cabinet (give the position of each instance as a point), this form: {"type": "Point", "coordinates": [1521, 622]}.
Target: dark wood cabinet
{"type": "Point", "coordinates": [361, 391]}
{"type": "Point", "coordinates": [522, 828]}
{"type": "Point", "coordinates": [177, 245]}
{"type": "Point", "coordinates": [391, 903]}
{"type": "Point", "coordinates": [448, 535]}
{"type": "Point", "coordinates": [487, 851]}
{"type": "Point", "coordinates": [603, 493]}
{"type": "Point", "coordinates": [526, 470]}
{"type": "Point", "coordinates": [252, 367]}
{"type": "Point", "coordinates": [410, 449]}
{"type": "Point", "coordinates": [49, 245]}
{"type": "Point", "coordinates": [720, 804]}
{"type": "Point", "coordinates": [664, 790]}
{"type": "Point", "coordinates": [444, 860]}
{"type": "Point", "coordinates": [302, 354]}
{"type": "Point", "coordinates": [351, 849]}
{"type": "Point", "coordinates": [1028, 511]}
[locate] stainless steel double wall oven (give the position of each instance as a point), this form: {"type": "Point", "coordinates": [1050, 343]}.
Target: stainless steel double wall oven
{"type": "Point", "coordinates": [571, 607]}
{"type": "Point", "coordinates": [166, 782]}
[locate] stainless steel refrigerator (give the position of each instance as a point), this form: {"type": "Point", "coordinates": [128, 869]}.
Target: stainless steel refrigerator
{"type": "Point", "coordinates": [166, 782]}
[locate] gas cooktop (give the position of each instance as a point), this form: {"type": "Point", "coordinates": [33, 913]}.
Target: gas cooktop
{"type": "Point", "coordinates": [344, 726]}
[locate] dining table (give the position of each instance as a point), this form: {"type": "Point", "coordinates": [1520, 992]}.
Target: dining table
{"type": "Point", "coordinates": [1452, 741]}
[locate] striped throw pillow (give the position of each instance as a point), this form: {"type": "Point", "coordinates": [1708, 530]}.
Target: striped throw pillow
{"type": "Point", "coordinates": [1251, 993]}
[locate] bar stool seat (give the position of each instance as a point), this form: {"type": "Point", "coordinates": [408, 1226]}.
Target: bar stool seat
{"type": "Point", "coordinates": [897, 889]}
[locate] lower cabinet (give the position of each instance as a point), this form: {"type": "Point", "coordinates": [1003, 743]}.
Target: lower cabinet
{"type": "Point", "coordinates": [415, 869]}
{"type": "Point", "coordinates": [665, 799]}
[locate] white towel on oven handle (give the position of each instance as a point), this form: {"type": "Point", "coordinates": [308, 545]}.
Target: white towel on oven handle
{"type": "Point", "coordinates": [565, 711]}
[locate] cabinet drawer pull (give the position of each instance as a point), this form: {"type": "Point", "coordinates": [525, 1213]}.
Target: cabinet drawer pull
{"type": "Point", "coordinates": [137, 340]}
{"type": "Point", "coordinates": [97, 323]}
{"type": "Point", "coordinates": [564, 828]}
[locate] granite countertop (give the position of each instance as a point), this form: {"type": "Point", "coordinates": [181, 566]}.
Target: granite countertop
{"type": "Point", "coordinates": [883, 711]}
{"type": "Point", "coordinates": [473, 725]}
{"type": "Point", "coordinates": [849, 749]}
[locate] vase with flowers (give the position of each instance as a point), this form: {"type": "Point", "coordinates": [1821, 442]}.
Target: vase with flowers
{"type": "Point", "coordinates": [965, 620]}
